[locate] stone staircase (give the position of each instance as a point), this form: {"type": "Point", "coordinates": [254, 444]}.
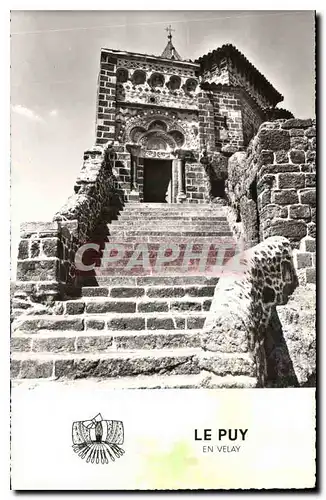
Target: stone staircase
{"type": "Point", "coordinates": [133, 327]}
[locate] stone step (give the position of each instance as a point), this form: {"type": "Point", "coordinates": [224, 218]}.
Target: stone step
{"type": "Point", "coordinates": [168, 225]}
{"type": "Point", "coordinates": [169, 231]}
{"type": "Point", "coordinates": [188, 381]}
{"type": "Point", "coordinates": [105, 365]}
{"type": "Point", "coordinates": [177, 237]}
{"type": "Point", "coordinates": [96, 342]}
{"type": "Point", "coordinates": [162, 291]}
{"type": "Point", "coordinates": [152, 252]}
{"type": "Point", "coordinates": [114, 321]}
{"type": "Point", "coordinates": [133, 363]}
{"type": "Point", "coordinates": [193, 210]}
{"type": "Point", "coordinates": [105, 305]}
{"type": "Point", "coordinates": [169, 207]}
{"type": "Point", "coordinates": [150, 281]}
{"type": "Point", "coordinates": [168, 218]}
{"type": "Point", "coordinates": [141, 271]}
{"type": "Point", "coordinates": [152, 247]}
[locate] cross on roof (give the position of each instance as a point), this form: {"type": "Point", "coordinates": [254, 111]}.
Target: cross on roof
{"type": "Point", "coordinates": [169, 30]}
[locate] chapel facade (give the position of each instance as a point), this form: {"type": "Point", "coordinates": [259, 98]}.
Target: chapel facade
{"type": "Point", "coordinates": [165, 115]}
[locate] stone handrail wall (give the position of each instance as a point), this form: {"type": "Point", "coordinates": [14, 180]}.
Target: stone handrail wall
{"type": "Point", "coordinates": [272, 186]}
{"type": "Point", "coordinates": [45, 266]}
{"type": "Point", "coordinates": [252, 284]}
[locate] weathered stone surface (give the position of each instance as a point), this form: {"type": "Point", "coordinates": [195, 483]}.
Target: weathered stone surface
{"type": "Point", "coordinates": [310, 180]}
{"type": "Point", "coordinates": [110, 306]}
{"type": "Point", "coordinates": [35, 248]}
{"type": "Point", "coordinates": [311, 229]}
{"type": "Point", "coordinates": [303, 260]}
{"type": "Point", "coordinates": [74, 307]}
{"type": "Point", "coordinates": [277, 169]}
{"type": "Point", "coordinates": [34, 368]}
{"type": "Point", "coordinates": [37, 270]}
{"type": "Point", "coordinates": [284, 197]}
{"type": "Point", "coordinates": [297, 156]}
{"type": "Point", "coordinates": [311, 132]}
{"type": "Point", "coordinates": [292, 358]}
{"type": "Point", "coordinates": [299, 212]}
{"type": "Point", "coordinates": [54, 344]}
{"type": "Point", "coordinates": [50, 247]}
{"type": "Point", "coordinates": [185, 306]}
{"type": "Point", "coordinates": [127, 292]}
{"type": "Point", "coordinates": [236, 166]}
{"type": "Point", "coordinates": [287, 181]}
{"type": "Point", "coordinates": [264, 199]}
{"type": "Point", "coordinates": [308, 196]}
{"type": "Point", "coordinates": [296, 123]}
{"type": "Point", "coordinates": [94, 324]}
{"type": "Point", "coordinates": [153, 306]}
{"type": "Point", "coordinates": [127, 323]}
{"type": "Point", "coordinates": [249, 217]}
{"type": "Point", "coordinates": [274, 140]}
{"type": "Point", "coordinates": [14, 368]}
{"type": "Point", "coordinates": [242, 306]}
{"type": "Point", "coordinates": [166, 292]}
{"type": "Point", "coordinates": [273, 211]}
{"type": "Point", "coordinates": [300, 143]}
{"type": "Point", "coordinates": [309, 245]}
{"type": "Point", "coordinates": [200, 291]}
{"type": "Point", "coordinates": [291, 229]}
{"type": "Point", "coordinates": [314, 215]}
{"type": "Point", "coordinates": [227, 365]}
{"type": "Point", "coordinates": [282, 156]}
{"type": "Point", "coordinates": [311, 275]}
{"type": "Point", "coordinates": [99, 291]}
{"type": "Point", "coordinates": [195, 322]}
{"type": "Point", "coordinates": [23, 249]}
{"type": "Point", "coordinates": [95, 344]}
{"type": "Point", "coordinates": [157, 341]}
{"type": "Point", "coordinates": [20, 344]}
{"type": "Point", "coordinates": [232, 336]}
{"type": "Point", "coordinates": [160, 324]}
{"type": "Point", "coordinates": [118, 367]}
{"type": "Point", "coordinates": [28, 229]}
{"type": "Point", "coordinates": [35, 324]}
{"type": "Point", "coordinates": [267, 181]}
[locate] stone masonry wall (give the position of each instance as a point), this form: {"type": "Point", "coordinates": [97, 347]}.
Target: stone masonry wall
{"type": "Point", "coordinates": [251, 120]}
{"type": "Point", "coordinates": [106, 100]}
{"type": "Point", "coordinates": [273, 188]}
{"type": "Point", "coordinates": [228, 119]}
{"type": "Point", "coordinates": [45, 266]}
{"type": "Point", "coordinates": [286, 184]}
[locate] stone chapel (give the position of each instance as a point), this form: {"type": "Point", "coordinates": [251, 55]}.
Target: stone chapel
{"type": "Point", "coordinates": [165, 114]}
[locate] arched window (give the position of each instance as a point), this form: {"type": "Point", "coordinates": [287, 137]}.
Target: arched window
{"type": "Point", "coordinates": [139, 77]}
{"type": "Point", "coordinates": [191, 85]}
{"type": "Point", "coordinates": [174, 82]}
{"type": "Point", "coordinates": [156, 80]}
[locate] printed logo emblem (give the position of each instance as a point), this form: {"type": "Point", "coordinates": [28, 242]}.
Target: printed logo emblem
{"type": "Point", "coordinates": [98, 440]}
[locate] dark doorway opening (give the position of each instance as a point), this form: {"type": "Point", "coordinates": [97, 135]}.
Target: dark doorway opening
{"type": "Point", "coordinates": [157, 181]}
{"type": "Point", "coordinates": [218, 188]}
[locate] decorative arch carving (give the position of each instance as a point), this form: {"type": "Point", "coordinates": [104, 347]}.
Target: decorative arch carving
{"type": "Point", "coordinates": [157, 140]}
{"type": "Point", "coordinates": [182, 130]}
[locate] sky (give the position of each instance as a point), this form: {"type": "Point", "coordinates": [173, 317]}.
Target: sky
{"type": "Point", "coordinates": [54, 67]}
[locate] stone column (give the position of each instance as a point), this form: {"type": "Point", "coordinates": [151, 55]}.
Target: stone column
{"type": "Point", "coordinates": [179, 162]}
{"type": "Point", "coordinates": [134, 150]}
